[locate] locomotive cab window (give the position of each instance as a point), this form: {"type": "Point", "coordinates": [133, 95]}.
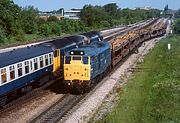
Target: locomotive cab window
{"type": "Point", "coordinates": [26, 63]}
{"type": "Point", "coordinates": [56, 53]}
{"type": "Point", "coordinates": [68, 59]}
{"type": "Point", "coordinates": [19, 69]}
{"type": "Point", "coordinates": [12, 72]}
{"type": "Point", "coordinates": [76, 58]}
{"type": "Point", "coordinates": [3, 76]}
{"type": "Point", "coordinates": [85, 60]}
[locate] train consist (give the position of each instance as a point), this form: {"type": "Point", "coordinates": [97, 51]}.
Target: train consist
{"type": "Point", "coordinates": [30, 67]}
{"type": "Point", "coordinates": [81, 59]}
{"type": "Point", "coordinates": [86, 65]}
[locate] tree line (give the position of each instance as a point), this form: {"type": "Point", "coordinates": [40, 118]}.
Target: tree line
{"type": "Point", "coordinates": [17, 23]}
{"type": "Point", "coordinates": [111, 14]}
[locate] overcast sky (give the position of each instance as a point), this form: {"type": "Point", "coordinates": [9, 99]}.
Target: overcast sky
{"type": "Point", "coordinates": [47, 5]}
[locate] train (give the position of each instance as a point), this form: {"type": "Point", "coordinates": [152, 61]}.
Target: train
{"type": "Point", "coordinates": [24, 69]}
{"type": "Point", "coordinates": [80, 60]}
{"type": "Point", "coordinates": [86, 65]}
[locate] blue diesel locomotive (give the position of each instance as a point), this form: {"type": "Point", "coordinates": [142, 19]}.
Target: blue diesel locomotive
{"type": "Point", "coordinates": [86, 64]}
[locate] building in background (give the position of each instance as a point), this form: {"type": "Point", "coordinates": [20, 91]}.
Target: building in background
{"type": "Point", "coordinates": [72, 14]}
{"type": "Point", "coordinates": [144, 8]}
{"type": "Point", "coordinates": [61, 13]}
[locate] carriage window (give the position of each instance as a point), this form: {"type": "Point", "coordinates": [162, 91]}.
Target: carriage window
{"type": "Point", "coordinates": [46, 60]}
{"type": "Point", "coordinates": [26, 63]}
{"type": "Point", "coordinates": [50, 58]}
{"type": "Point", "coordinates": [12, 73]}
{"type": "Point", "coordinates": [31, 65]}
{"type": "Point", "coordinates": [41, 61]}
{"type": "Point", "coordinates": [35, 64]}
{"type": "Point", "coordinates": [19, 69]}
{"type": "Point", "coordinates": [85, 60]}
{"type": "Point", "coordinates": [3, 75]}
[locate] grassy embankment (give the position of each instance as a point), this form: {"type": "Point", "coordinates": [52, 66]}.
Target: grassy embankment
{"type": "Point", "coordinates": [153, 94]}
{"type": "Point", "coordinates": [27, 38]}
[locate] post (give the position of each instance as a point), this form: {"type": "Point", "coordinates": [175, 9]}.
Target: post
{"type": "Point", "coordinates": [169, 46]}
{"type": "Point", "coordinates": [171, 31]}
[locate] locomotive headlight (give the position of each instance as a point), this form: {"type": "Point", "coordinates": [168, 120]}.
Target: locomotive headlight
{"type": "Point", "coordinates": [72, 53]}
{"type": "Point", "coordinates": [81, 53]}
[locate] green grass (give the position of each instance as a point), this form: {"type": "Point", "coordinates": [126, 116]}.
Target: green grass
{"type": "Point", "coordinates": [30, 37]}
{"type": "Point", "coordinates": [26, 38]}
{"type": "Point", "coordinates": [153, 94]}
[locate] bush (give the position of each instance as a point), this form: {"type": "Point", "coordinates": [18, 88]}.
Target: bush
{"type": "Point", "coordinates": [55, 28]}
{"type": "Point", "coordinates": [19, 35]}
{"type": "Point", "coordinates": [45, 30]}
{"type": "Point", "coordinates": [176, 26]}
{"type": "Point", "coordinates": [2, 34]}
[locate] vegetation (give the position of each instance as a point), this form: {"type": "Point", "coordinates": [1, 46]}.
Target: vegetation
{"type": "Point", "coordinates": [152, 95]}
{"type": "Point", "coordinates": [110, 15]}
{"type": "Point", "coordinates": [177, 14]}
{"type": "Point", "coordinates": [176, 26]}
{"type": "Point", "coordinates": [23, 24]}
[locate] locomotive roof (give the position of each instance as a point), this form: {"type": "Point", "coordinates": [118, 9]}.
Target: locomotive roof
{"type": "Point", "coordinates": [92, 35]}
{"type": "Point", "coordinates": [63, 42]}
{"type": "Point", "coordinates": [18, 55]}
{"type": "Point", "coordinates": [92, 49]}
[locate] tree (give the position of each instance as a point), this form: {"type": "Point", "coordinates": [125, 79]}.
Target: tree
{"type": "Point", "coordinates": [177, 14]}
{"type": "Point", "coordinates": [92, 16]}
{"type": "Point", "coordinates": [176, 26]}
{"type": "Point", "coordinates": [166, 8]}
{"type": "Point", "coordinates": [55, 28]}
{"type": "Point", "coordinates": [29, 19]}
{"type": "Point", "coordinates": [9, 17]}
{"type": "Point", "coordinates": [2, 34]}
{"type": "Point", "coordinates": [111, 8]}
{"type": "Point", "coordinates": [45, 29]}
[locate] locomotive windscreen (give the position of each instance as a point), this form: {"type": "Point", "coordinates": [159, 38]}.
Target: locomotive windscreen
{"type": "Point", "coordinates": [76, 52]}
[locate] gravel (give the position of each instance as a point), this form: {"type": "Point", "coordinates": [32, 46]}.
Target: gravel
{"type": "Point", "coordinates": [29, 110]}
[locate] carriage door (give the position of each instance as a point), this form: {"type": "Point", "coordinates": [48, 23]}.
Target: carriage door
{"type": "Point", "coordinates": [56, 63]}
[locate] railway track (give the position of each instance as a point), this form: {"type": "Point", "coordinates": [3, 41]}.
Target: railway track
{"type": "Point", "coordinates": [38, 92]}
{"type": "Point", "coordinates": [58, 110]}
